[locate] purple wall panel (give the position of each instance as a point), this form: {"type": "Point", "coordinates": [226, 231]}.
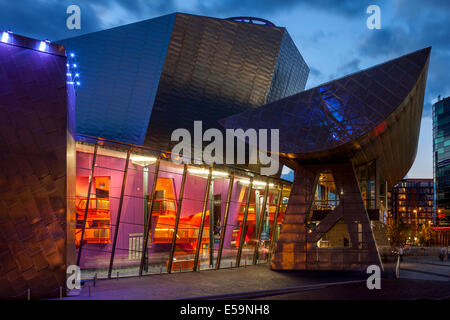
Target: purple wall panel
{"type": "Point", "coordinates": [35, 142]}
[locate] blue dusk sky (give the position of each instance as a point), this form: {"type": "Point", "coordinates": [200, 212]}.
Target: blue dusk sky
{"type": "Point", "coordinates": [331, 35]}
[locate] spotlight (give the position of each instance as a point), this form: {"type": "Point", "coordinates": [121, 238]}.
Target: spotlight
{"type": "Point", "coordinates": [78, 83]}
{"type": "Point", "coordinates": [74, 65]}
{"type": "Point", "coordinates": [5, 37]}
{"type": "Point", "coordinates": [77, 74]}
{"type": "Point", "coordinates": [72, 55]}
{"type": "Point", "coordinates": [42, 46]}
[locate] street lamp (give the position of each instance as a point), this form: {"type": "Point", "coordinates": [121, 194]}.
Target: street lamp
{"type": "Point", "coordinates": [417, 226]}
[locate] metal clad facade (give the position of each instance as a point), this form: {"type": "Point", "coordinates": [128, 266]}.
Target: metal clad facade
{"type": "Point", "coordinates": [291, 71]}
{"type": "Point", "coordinates": [215, 68]}
{"type": "Point", "coordinates": [120, 70]}
{"type": "Point", "coordinates": [34, 171]}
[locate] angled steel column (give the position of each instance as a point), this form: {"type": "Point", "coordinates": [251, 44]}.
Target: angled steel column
{"type": "Point", "coordinates": [244, 223]}
{"type": "Point", "coordinates": [202, 224]}
{"type": "Point", "coordinates": [262, 218]}
{"type": "Point", "coordinates": [91, 177]}
{"type": "Point", "coordinates": [148, 226]}
{"type": "Point", "coordinates": [225, 221]}
{"type": "Point", "coordinates": [145, 202]}
{"type": "Point", "coordinates": [211, 224]}
{"type": "Point", "coordinates": [177, 219]}
{"type": "Point", "coordinates": [119, 213]}
{"type": "Point", "coordinates": [275, 220]}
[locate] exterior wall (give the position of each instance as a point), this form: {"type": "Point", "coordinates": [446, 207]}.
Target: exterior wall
{"type": "Point", "coordinates": [120, 70]}
{"type": "Point", "coordinates": [215, 68]}
{"type": "Point", "coordinates": [291, 71]}
{"type": "Point", "coordinates": [441, 161]}
{"type": "Point", "coordinates": [35, 137]}
{"type": "Point", "coordinates": [372, 114]}
{"type": "Point", "coordinates": [143, 80]}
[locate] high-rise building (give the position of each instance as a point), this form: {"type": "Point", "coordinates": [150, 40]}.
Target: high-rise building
{"type": "Point", "coordinates": [441, 163]}
{"type": "Point", "coordinates": [441, 169]}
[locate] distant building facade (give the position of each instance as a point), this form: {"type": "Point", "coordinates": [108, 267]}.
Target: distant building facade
{"type": "Point", "coordinates": [441, 163]}
{"type": "Point", "coordinates": [411, 202]}
{"type": "Point", "coordinates": [441, 169]}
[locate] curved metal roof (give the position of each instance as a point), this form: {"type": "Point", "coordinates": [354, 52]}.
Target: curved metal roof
{"type": "Point", "coordinates": [339, 112]}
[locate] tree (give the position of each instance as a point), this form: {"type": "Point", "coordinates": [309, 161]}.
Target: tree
{"type": "Point", "coordinates": [425, 234]}
{"type": "Point", "coordinates": [398, 233]}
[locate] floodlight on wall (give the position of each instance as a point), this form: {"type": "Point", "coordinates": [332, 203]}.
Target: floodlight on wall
{"type": "Point", "coordinates": [142, 160]}
{"type": "Point", "coordinates": [43, 45]}
{"type": "Point", "coordinates": [256, 183]}
{"type": "Point", "coordinates": [5, 36]}
{"type": "Point", "coordinates": [206, 172]}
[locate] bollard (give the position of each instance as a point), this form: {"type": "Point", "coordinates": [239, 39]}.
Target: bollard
{"type": "Point", "coordinates": [95, 279]}
{"type": "Point", "coordinates": [60, 292]}
{"type": "Point", "coordinates": [29, 294]}
{"type": "Point", "coordinates": [89, 286]}
{"type": "Point", "coordinates": [180, 267]}
{"type": "Point", "coordinates": [231, 264]}
{"type": "Point", "coordinates": [117, 275]}
{"type": "Point", "coordinates": [160, 270]}
{"type": "Point", "coordinates": [245, 263]}
{"type": "Point", "coordinates": [397, 268]}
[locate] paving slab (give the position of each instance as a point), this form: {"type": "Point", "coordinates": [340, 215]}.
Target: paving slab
{"type": "Point", "coordinates": [212, 282]}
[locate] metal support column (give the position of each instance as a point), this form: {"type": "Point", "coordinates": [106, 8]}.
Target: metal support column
{"type": "Point", "coordinates": [145, 201]}
{"type": "Point", "coordinates": [148, 223]}
{"type": "Point", "coordinates": [177, 219]}
{"type": "Point", "coordinates": [119, 213]}
{"type": "Point", "coordinates": [244, 224]}
{"type": "Point", "coordinates": [275, 220]}
{"type": "Point", "coordinates": [202, 224]}
{"type": "Point", "coordinates": [211, 224]}
{"type": "Point", "coordinates": [261, 223]}
{"type": "Point", "coordinates": [225, 221]}
{"type": "Point", "coordinates": [91, 177]}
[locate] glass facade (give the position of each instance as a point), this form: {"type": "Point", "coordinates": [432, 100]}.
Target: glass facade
{"type": "Point", "coordinates": [127, 196]}
{"type": "Point", "coordinates": [441, 161]}
{"type": "Point", "coordinates": [366, 175]}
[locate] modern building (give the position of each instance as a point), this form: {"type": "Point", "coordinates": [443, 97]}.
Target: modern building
{"type": "Point", "coordinates": [411, 202]}
{"type": "Point", "coordinates": [144, 80]}
{"type": "Point", "coordinates": [441, 168]}
{"type": "Point", "coordinates": [106, 195]}
{"type": "Point", "coordinates": [349, 141]}
{"type": "Point", "coordinates": [123, 191]}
